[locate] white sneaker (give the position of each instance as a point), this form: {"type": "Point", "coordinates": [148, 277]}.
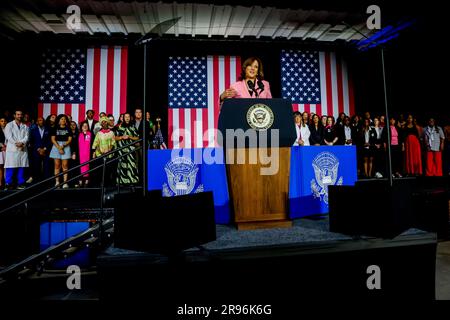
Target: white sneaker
{"type": "Point", "coordinates": [65, 186]}
{"type": "Point", "coordinates": [378, 175]}
{"type": "Point", "coordinates": [30, 180]}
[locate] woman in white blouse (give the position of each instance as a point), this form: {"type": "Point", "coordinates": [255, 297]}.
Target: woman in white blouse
{"type": "Point", "coordinates": [302, 130]}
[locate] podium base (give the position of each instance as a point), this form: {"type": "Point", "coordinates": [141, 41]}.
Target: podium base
{"type": "Point", "coordinates": [252, 225]}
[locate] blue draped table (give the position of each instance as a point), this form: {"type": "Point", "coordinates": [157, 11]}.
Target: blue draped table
{"type": "Point", "coordinates": [312, 169]}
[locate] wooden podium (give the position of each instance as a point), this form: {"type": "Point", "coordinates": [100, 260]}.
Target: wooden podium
{"type": "Point", "coordinates": [259, 201]}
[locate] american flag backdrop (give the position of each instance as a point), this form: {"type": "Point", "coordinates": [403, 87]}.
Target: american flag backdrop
{"type": "Point", "coordinates": [194, 87]}
{"type": "Point", "coordinates": [316, 82]}
{"type": "Point", "coordinates": [75, 80]}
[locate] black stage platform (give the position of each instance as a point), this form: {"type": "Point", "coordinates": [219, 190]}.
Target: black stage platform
{"type": "Point", "coordinates": [259, 266]}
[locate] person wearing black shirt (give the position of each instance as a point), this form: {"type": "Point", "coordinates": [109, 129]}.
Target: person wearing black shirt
{"type": "Point", "coordinates": [379, 156]}
{"type": "Point", "coordinates": [329, 136]}
{"type": "Point", "coordinates": [316, 130]}
{"type": "Point", "coordinates": [368, 140]}
{"type": "Point", "coordinates": [74, 160]}
{"type": "Point", "coordinates": [61, 137]}
{"type": "Point", "coordinates": [345, 133]}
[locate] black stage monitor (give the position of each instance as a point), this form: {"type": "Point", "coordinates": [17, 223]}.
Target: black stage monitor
{"type": "Point", "coordinates": [163, 224]}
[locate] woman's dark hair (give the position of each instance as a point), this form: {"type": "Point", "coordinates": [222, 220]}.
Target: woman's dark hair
{"type": "Point", "coordinates": [248, 62]}
{"type": "Point", "coordinates": [124, 124]}
{"type": "Point", "coordinates": [59, 117]}
{"type": "Point", "coordinates": [47, 120]}
{"type": "Point", "coordinates": [120, 121]}
{"type": "Point", "coordinates": [364, 123]}
{"type": "Point", "coordinates": [332, 118]}
{"type": "Point", "coordinates": [76, 128]}
{"type": "Point", "coordinates": [407, 116]}
{"type": "Point", "coordinates": [81, 126]}
{"type": "Point", "coordinates": [314, 116]}
{"type": "Point", "coordinates": [353, 118]}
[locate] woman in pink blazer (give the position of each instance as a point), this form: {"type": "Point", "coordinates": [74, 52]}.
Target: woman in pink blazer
{"type": "Point", "coordinates": [84, 149]}
{"type": "Point", "coordinates": [252, 83]}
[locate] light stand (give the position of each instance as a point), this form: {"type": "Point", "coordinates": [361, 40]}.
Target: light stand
{"type": "Point", "coordinates": [386, 110]}
{"type": "Point", "coordinates": [155, 33]}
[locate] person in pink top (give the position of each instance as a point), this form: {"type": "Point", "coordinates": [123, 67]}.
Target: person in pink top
{"type": "Point", "coordinates": [84, 150]}
{"type": "Point", "coordinates": [396, 147]}
{"type": "Point", "coordinates": [251, 83]}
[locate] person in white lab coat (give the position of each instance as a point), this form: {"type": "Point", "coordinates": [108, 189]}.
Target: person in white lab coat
{"type": "Point", "coordinates": [16, 135]}
{"type": "Point", "coordinates": [302, 129]}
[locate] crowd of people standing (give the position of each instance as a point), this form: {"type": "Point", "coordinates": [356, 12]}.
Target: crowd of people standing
{"type": "Point", "coordinates": [415, 150]}
{"type": "Point", "coordinates": [34, 150]}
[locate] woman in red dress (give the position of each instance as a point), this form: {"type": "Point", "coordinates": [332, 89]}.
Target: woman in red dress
{"type": "Point", "coordinates": [411, 148]}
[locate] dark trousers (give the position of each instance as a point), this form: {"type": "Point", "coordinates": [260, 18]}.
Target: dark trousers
{"type": "Point", "coordinates": [397, 161]}
{"type": "Point", "coordinates": [379, 159]}
{"type": "Point", "coordinates": [40, 167]}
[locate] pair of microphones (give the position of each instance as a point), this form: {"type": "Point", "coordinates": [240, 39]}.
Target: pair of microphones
{"type": "Point", "coordinates": [251, 86]}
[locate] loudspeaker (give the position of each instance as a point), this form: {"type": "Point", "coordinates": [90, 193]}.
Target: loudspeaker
{"type": "Point", "coordinates": [163, 225]}
{"type": "Point", "coordinates": [372, 208]}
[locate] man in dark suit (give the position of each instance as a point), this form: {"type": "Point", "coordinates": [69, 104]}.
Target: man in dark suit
{"type": "Point", "coordinates": [90, 120]}
{"type": "Point", "coordinates": [346, 136]}
{"type": "Point", "coordinates": [41, 145]}
{"type": "Point", "coordinates": [138, 123]}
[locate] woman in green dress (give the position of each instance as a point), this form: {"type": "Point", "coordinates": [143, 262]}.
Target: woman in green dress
{"type": "Point", "coordinates": [127, 170]}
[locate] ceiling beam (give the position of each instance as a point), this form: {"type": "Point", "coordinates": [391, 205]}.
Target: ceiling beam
{"type": "Point", "coordinates": [8, 21]}
{"type": "Point", "coordinates": [102, 21]}
{"type": "Point", "coordinates": [89, 30]}
{"type": "Point", "coordinates": [247, 22]}
{"type": "Point", "coordinates": [138, 17]}
{"type": "Point", "coordinates": [117, 13]}
{"type": "Point", "coordinates": [22, 14]}
{"type": "Point", "coordinates": [230, 21]}
{"type": "Point", "coordinates": [122, 24]}
{"type": "Point", "coordinates": [154, 9]}
{"type": "Point", "coordinates": [175, 14]}
{"type": "Point", "coordinates": [194, 19]}
{"type": "Point", "coordinates": [266, 20]}
{"type": "Point", "coordinates": [212, 21]}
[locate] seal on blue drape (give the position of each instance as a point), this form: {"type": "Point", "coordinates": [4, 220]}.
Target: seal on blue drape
{"type": "Point", "coordinates": [186, 171]}
{"type": "Point", "coordinates": [312, 170]}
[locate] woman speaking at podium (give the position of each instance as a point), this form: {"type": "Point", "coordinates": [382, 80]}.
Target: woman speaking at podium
{"type": "Point", "coordinates": [252, 83]}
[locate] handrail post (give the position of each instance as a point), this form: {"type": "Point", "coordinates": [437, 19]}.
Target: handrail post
{"type": "Point", "coordinates": [102, 199]}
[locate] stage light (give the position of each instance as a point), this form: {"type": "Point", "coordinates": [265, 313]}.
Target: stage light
{"type": "Point", "coordinates": [385, 35]}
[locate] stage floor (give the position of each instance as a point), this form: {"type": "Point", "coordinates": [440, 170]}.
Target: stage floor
{"type": "Point", "coordinates": [263, 262]}
{"type": "Point", "coordinates": [307, 233]}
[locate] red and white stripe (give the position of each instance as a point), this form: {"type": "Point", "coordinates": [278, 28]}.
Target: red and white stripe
{"type": "Point", "coordinates": [197, 127]}
{"type": "Point", "coordinates": [106, 86]}
{"type": "Point", "coordinates": [336, 88]}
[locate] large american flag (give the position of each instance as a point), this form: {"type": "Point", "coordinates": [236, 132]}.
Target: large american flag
{"type": "Point", "coordinates": [75, 80]}
{"type": "Point", "coordinates": [195, 84]}
{"type": "Point", "coordinates": [316, 82]}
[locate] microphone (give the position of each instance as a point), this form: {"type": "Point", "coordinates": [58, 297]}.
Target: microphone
{"type": "Point", "coordinates": [251, 85]}
{"type": "Point", "coordinates": [261, 85]}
